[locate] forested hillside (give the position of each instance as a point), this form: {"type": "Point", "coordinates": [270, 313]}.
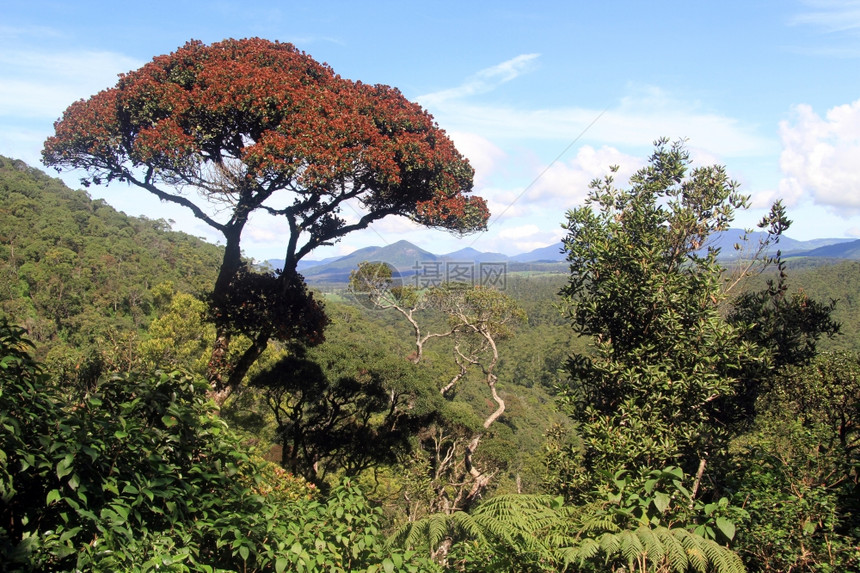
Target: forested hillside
{"type": "Point", "coordinates": [82, 277]}
{"type": "Point", "coordinates": [559, 424]}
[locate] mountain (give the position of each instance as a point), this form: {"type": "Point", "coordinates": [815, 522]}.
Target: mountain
{"type": "Point", "coordinates": [469, 254]}
{"type": "Point", "coordinates": [402, 255]}
{"type": "Point", "coordinates": [843, 250]}
{"type": "Point", "coordinates": [468, 264]}
{"type": "Point", "coordinates": [551, 254]}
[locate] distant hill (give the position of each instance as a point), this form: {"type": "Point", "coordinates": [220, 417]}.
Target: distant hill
{"type": "Point", "coordinates": [403, 255]}
{"type": "Point", "coordinates": [841, 250]}
{"type": "Point", "coordinates": [410, 259]}
{"type": "Point", "coordinates": [469, 254]}
{"type": "Point", "coordinates": [552, 253]}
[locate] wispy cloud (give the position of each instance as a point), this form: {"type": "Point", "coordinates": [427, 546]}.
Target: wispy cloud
{"type": "Point", "coordinates": [830, 15]}
{"type": "Point", "coordinates": [42, 84]}
{"type": "Point", "coordinates": [637, 118]}
{"type": "Point", "coordinates": [484, 81]}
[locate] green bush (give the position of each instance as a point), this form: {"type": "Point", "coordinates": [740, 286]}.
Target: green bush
{"type": "Point", "coordinates": [141, 474]}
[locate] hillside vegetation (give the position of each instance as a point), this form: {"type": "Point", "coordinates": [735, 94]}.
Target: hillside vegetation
{"type": "Point", "coordinates": [651, 421]}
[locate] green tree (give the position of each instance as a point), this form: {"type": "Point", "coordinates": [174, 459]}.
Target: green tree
{"type": "Point", "coordinates": [140, 474]}
{"type": "Point", "coordinates": [797, 471]}
{"type": "Point", "coordinates": [347, 405]}
{"type": "Point", "coordinates": [258, 126]}
{"type": "Point", "coordinates": [653, 390]}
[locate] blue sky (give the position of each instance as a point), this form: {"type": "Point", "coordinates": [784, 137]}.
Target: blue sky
{"type": "Point", "coordinates": [542, 96]}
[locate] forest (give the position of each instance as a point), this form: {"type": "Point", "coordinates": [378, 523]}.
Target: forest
{"type": "Point", "coordinates": [168, 404]}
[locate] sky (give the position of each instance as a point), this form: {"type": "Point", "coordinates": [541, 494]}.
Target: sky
{"type": "Point", "coordinates": [541, 96]}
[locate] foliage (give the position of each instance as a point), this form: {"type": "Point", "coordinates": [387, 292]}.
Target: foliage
{"type": "Point", "coordinates": [83, 278]}
{"type": "Point", "coordinates": [664, 360]}
{"type": "Point", "coordinates": [252, 125]}
{"type": "Point", "coordinates": [797, 470]}
{"type": "Point", "coordinates": [787, 327]}
{"type": "Point", "coordinates": [478, 318]}
{"type": "Point", "coordinates": [141, 475]}
{"type": "Point", "coordinates": [346, 405]}
{"type": "Point", "coordinates": [176, 339]}
{"type": "Point", "coordinates": [631, 530]}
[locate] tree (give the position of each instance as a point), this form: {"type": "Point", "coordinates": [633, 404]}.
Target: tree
{"type": "Point", "coordinates": [647, 288]}
{"type": "Point", "coordinates": [477, 319]}
{"type": "Point", "coordinates": [797, 472]}
{"type": "Point", "coordinates": [122, 479]}
{"type": "Point", "coordinates": [346, 405]}
{"type": "Point", "coordinates": [258, 126]}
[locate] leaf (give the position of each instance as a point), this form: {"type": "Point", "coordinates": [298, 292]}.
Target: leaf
{"type": "Point", "coordinates": [726, 527]}
{"type": "Point", "coordinates": [244, 552]}
{"type": "Point", "coordinates": [53, 495]}
{"type": "Point", "coordinates": [168, 421]}
{"type": "Point", "coordinates": [281, 564]}
{"type": "Point", "coordinates": [661, 501]}
{"type": "Point", "coordinates": [64, 466]}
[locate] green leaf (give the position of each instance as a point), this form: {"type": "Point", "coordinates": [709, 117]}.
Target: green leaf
{"type": "Point", "coordinates": [168, 421]}
{"type": "Point", "coordinates": [726, 527]}
{"type": "Point", "coordinates": [661, 501]}
{"type": "Point", "coordinates": [64, 466]}
{"type": "Point", "coordinates": [244, 552]}
{"type": "Point", "coordinates": [281, 564]}
{"type": "Point", "coordinates": [53, 495]}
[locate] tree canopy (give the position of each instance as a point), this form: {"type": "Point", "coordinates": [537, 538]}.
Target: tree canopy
{"type": "Point", "coordinates": [664, 361]}
{"type": "Point", "coordinates": [246, 122]}
{"type": "Point", "coordinates": [244, 126]}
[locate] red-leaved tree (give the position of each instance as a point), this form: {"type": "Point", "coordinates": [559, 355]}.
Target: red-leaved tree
{"type": "Point", "coordinates": [240, 126]}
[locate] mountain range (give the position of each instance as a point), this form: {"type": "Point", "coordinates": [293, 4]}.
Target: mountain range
{"type": "Point", "coordinates": [469, 263]}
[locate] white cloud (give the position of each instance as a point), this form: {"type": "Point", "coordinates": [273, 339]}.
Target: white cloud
{"type": "Point", "coordinates": [484, 81]}
{"type": "Point", "coordinates": [832, 15]}
{"type": "Point", "coordinates": [520, 232]}
{"type": "Point", "coordinates": [483, 155]}
{"type": "Point", "coordinates": [569, 181]}
{"type": "Point", "coordinates": [39, 84]}
{"type": "Point", "coordinates": [820, 157]}
{"type": "Point", "coordinates": [640, 117]}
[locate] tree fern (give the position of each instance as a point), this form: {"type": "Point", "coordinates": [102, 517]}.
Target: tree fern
{"type": "Point", "coordinates": [539, 530]}
{"type": "Point", "coordinates": [656, 549]}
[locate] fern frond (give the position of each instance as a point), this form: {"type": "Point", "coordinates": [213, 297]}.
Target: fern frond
{"type": "Point", "coordinates": [610, 543]}
{"type": "Point", "coordinates": [437, 528]}
{"type": "Point", "coordinates": [653, 547]}
{"type": "Point", "coordinates": [519, 520]}
{"type": "Point", "coordinates": [721, 558]}
{"type": "Point", "coordinates": [603, 523]}
{"type": "Point", "coordinates": [579, 554]}
{"type": "Point", "coordinates": [465, 525]}
{"type": "Point", "coordinates": [662, 547]}
{"type": "Point", "coordinates": [631, 547]}
{"type": "Point", "coordinates": [404, 536]}
{"type": "Point", "coordinates": [673, 548]}
{"type": "Point", "coordinates": [695, 556]}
